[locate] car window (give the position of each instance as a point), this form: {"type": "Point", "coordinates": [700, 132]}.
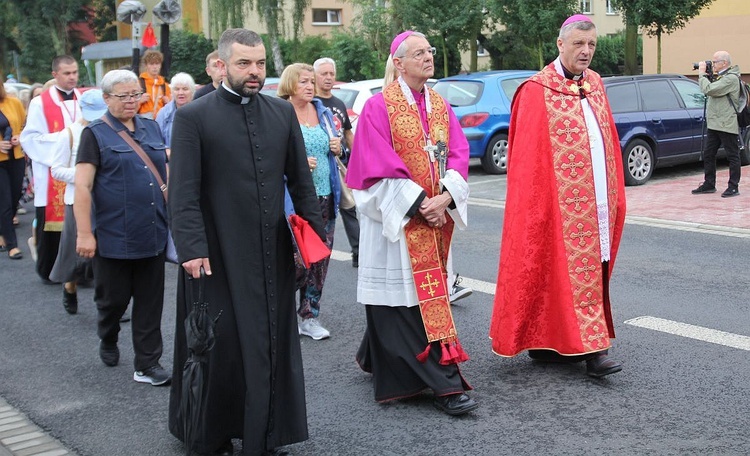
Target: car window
{"type": "Point", "coordinates": [375, 90]}
{"type": "Point", "coordinates": [690, 93]}
{"type": "Point", "coordinates": [346, 95]}
{"type": "Point", "coordinates": [510, 86]}
{"type": "Point", "coordinates": [460, 93]}
{"type": "Point", "coordinates": [622, 98]}
{"type": "Point", "coordinates": [658, 96]}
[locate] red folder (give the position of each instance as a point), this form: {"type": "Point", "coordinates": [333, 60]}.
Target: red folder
{"type": "Point", "coordinates": [307, 241]}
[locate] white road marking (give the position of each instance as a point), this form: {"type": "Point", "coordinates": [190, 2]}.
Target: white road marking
{"type": "Point", "coordinates": [656, 324]}
{"type": "Point", "coordinates": [691, 331]}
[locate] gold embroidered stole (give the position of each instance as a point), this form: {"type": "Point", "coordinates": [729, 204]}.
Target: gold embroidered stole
{"type": "Point", "coordinates": [428, 247]}
{"type": "Point", "coordinates": [577, 201]}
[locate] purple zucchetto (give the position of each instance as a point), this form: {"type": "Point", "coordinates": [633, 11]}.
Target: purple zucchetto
{"type": "Point", "coordinates": [576, 18]}
{"type": "Point", "coordinates": [400, 39]}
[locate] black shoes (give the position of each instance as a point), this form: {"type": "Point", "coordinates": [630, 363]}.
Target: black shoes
{"type": "Point", "coordinates": [456, 404]}
{"type": "Point", "coordinates": [70, 301]}
{"type": "Point", "coordinates": [355, 260]}
{"type": "Point", "coordinates": [730, 192]}
{"type": "Point", "coordinates": [109, 354]}
{"type": "Point", "coordinates": [601, 365]}
{"type": "Point", "coordinates": [704, 188]}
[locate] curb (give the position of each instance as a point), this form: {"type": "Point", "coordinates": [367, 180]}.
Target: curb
{"type": "Point", "coordinates": [21, 437]}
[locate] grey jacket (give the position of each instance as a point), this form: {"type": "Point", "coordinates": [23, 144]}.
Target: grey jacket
{"type": "Point", "coordinates": [720, 115]}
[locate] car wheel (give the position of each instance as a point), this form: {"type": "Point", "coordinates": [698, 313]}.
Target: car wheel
{"type": "Point", "coordinates": [638, 162]}
{"type": "Point", "coordinates": [495, 158]}
{"type": "Point", "coordinates": [745, 153]}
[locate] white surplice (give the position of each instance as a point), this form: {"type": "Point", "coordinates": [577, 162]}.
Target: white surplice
{"type": "Point", "coordinates": [382, 241]}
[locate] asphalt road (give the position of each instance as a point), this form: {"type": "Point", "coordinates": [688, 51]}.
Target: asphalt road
{"type": "Point", "coordinates": [676, 395]}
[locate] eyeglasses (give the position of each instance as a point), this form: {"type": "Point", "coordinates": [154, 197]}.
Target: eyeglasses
{"type": "Point", "coordinates": [128, 96]}
{"type": "Point", "coordinates": [717, 61]}
{"type": "Point", "coordinates": [422, 53]}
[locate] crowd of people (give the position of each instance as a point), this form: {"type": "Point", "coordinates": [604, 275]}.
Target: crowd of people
{"type": "Point", "coordinates": [236, 163]}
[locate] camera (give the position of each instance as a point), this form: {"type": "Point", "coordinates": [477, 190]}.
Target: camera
{"type": "Point", "coordinates": [709, 67]}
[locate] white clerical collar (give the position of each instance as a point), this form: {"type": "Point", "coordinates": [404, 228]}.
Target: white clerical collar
{"type": "Point", "coordinates": [406, 90]}
{"type": "Point", "coordinates": [66, 92]}
{"type": "Point", "coordinates": [561, 72]}
{"type": "Point", "coordinates": [245, 100]}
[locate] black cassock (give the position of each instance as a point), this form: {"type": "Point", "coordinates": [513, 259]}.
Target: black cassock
{"type": "Point", "coordinates": [226, 202]}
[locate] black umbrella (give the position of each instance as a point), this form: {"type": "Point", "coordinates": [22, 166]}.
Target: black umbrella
{"type": "Point", "coordinates": [200, 335]}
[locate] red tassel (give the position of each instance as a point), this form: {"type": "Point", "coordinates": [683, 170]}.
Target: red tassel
{"type": "Point", "coordinates": [149, 38]}
{"type": "Point", "coordinates": [422, 357]}
{"type": "Point", "coordinates": [453, 352]}
{"type": "Point", "coordinates": [445, 358]}
{"type": "Point", "coordinates": [462, 355]}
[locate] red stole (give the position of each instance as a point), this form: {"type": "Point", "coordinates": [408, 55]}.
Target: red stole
{"type": "Point", "coordinates": [55, 210]}
{"type": "Point", "coordinates": [428, 247]}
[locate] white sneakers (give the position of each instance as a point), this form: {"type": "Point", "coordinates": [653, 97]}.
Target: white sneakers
{"type": "Point", "coordinates": [457, 291]}
{"type": "Point", "coordinates": [311, 327]}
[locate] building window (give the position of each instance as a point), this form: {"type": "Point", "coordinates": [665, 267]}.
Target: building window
{"type": "Point", "coordinates": [586, 6]}
{"type": "Point", "coordinates": [481, 52]}
{"type": "Point", "coordinates": [610, 8]}
{"type": "Point", "coordinates": [326, 17]}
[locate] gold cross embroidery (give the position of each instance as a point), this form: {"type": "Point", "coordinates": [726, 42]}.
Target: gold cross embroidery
{"type": "Point", "coordinates": [585, 268]}
{"type": "Point", "coordinates": [580, 235]}
{"type": "Point", "coordinates": [567, 130]}
{"type": "Point", "coordinates": [577, 199]}
{"type": "Point", "coordinates": [587, 303]}
{"type": "Point", "coordinates": [429, 286]}
{"type": "Point", "coordinates": [572, 166]}
{"type": "Point", "coordinates": [563, 99]}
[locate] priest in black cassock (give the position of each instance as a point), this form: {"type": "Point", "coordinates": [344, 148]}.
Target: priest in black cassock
{"type": "Point", "coordinates": [230, 152]}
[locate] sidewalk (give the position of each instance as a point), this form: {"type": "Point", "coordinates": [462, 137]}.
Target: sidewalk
{"type": "Point", "coordinates": [672, 201]}
{"type": "Point", "coordinates": [21, 437]}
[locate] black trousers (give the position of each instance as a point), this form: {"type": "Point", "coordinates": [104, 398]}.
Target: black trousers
{"type": "Point", "coordinates": [115, 282]}
{"type": "Point", "coordinates": [730, 141]}
{"type": "Point", "coordinates": [351, 226]}
{"type": "Point", "coordinates": [47, 245]}
{"type": "Point", "coordinates": [11, 184]}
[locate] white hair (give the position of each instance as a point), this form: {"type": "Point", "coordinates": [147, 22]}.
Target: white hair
{"type": "Point", "coordinates": [183, 79]}
{"type": "Point", "coordinates": [322, 61]}
{"type": "Point", "coordinates": [114, 77]}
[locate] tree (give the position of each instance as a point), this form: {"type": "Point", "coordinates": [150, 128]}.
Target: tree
{"type": "Point", "coordinates": [658, 17]}
{"type": "Point", "coordinates": [104, 20]}
{"type": "Point", "coordinates": [8, 21]}
{"type": "Point", "coordinates": [355, 57]}
{"type": "Point", "coordinates": [189, 51]}
{"type": "Point", "coordinates": [534, 22]}
{"type": "Point", "coordinates": [231, 13]}
{"type": "Point", "coordinates": [456, 21]}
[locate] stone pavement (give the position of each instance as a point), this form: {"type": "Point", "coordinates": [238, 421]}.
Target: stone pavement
{"type": "Point", "coordinates": [671, 200]}
{"type": "Point", "coordinates": [21, 437]}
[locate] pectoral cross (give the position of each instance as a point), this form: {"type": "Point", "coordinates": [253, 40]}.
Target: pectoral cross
{"type": "Point", "coordinates": [430, 149]}
{"type": "Point", "coordinates": [441, 155]}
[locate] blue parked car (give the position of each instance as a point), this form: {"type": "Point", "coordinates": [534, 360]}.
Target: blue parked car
{"type": "Point", "coordinates": [481, 102]}
{"type": "Point", "coordinates": [659, 119]}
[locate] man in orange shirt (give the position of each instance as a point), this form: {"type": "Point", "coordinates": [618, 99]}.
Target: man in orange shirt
{"type": "Point", "coordinates": [156, 92]}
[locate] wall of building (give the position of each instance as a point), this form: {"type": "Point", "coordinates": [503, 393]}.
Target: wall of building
{"type": "Point", "coordinates": [721, 26]}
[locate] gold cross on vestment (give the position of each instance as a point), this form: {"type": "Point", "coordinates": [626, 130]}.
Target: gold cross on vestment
{"type": "Point", "coordinates": [572, 165]}
{"type": "Point", "coordinates": [429, 286]}
{"type": "Point", "coordinates": [586, 268]}
{"type": "Point", "coordinates": [581, 235]}
{"type": "Point", "coordinates": [577, 200]}
{"type": "Point", "coordinates": [567, 130]}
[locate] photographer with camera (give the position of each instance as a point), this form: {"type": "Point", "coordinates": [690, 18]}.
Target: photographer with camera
{"type": "Point", "coordinates": [720, 82]}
